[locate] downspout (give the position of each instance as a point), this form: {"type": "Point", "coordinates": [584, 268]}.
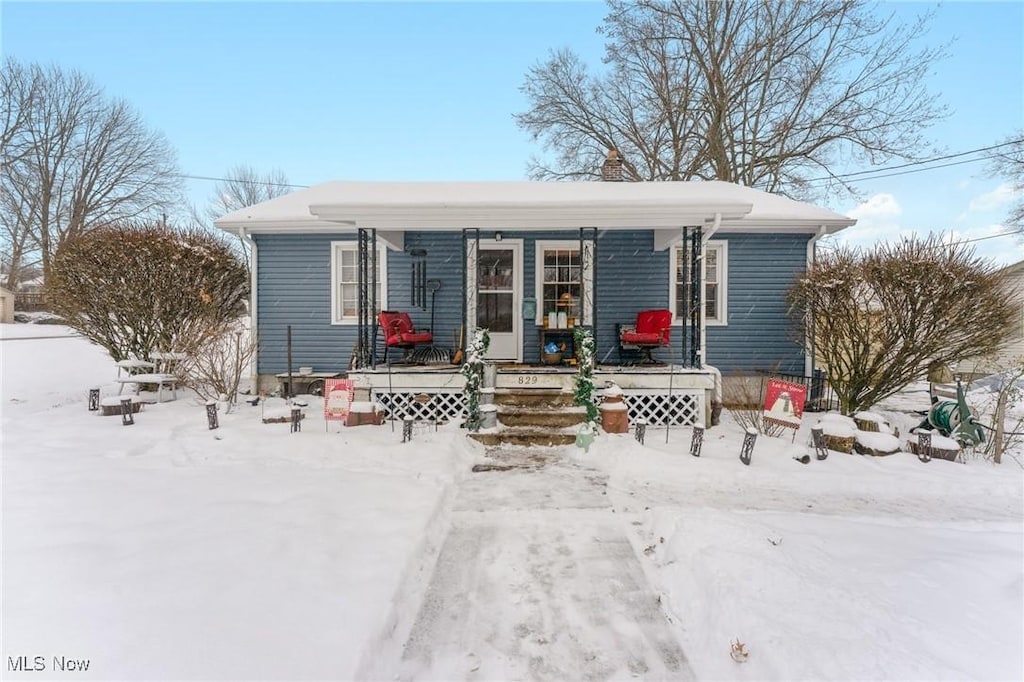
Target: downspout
{"type": "Point", "coordinates": [253, 327]}
{"type": "Point", "coordinates": [712, 406]}
{"type": "Point", "coordinates": [809, 336]}
{"type": "Point", "coordinates": [705, 238]}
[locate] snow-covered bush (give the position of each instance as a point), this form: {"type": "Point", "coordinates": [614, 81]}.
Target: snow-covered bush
{"type": "Point", "coordinates": [879, 317]}
{"type": "Point", "coordinates": [136, 289]}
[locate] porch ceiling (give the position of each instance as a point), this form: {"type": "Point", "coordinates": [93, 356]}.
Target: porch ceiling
{"type": "Point", "coordinates": [400, 206]}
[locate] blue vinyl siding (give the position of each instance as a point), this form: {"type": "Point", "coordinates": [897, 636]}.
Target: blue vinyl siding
{"type": "Point", "coordinates": [759, 334]}
{"type": "Point", "coordinates": [295, 289]}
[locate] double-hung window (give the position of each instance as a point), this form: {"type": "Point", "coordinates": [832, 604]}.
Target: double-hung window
{"type": "Point", "coordinates": [561, 280]}
{"type": "Point", "coordinates": [716, 262]}
{"type": "Point", "coordinates": [345, 282]}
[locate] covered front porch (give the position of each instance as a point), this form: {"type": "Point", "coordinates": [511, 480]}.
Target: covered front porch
{"type": "Point", "coordinates": [660, 394]}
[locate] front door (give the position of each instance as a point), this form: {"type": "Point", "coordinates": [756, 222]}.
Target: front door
{"type": "Point", "coordinates": [499, 274]}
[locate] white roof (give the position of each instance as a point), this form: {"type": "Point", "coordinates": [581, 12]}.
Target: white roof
{"type": "Point", "coordinates": [402, 206]}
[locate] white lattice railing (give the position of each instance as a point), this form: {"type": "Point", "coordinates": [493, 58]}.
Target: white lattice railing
{"type": "Point", "coordinates": [684, 408]}
{"type": "Point", "coordinates": [428, 406]}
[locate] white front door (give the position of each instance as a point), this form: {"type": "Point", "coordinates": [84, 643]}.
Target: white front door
{"type": "Point", "coordinates": [499, 276]}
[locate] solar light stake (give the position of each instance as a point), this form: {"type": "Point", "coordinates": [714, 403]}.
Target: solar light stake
{"type": "Point", "coordinates": [818, 438]}
{"type": "Point", "coordinates": [697, 441]}
{"type": "Point", "coordinates": [296, 419]}
{"type": "Point", "coordinates": [94, 399]}
{"type": "Point", "coordinates": [641, 430]}
{"type": "Point", "coordinates": [747, 451]}
{"type": "Point", "coordinates": [924, 446]}
{"type": "Point", "coordinates": [406, 428]}
{"type": "Point", "coordinates": [211, 414]}
{"type": "Point", "coordinates": [127, 418]}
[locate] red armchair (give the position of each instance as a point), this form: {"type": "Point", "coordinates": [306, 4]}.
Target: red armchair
{"type": "Point", "coordinates": [652, 331]}
{"type": "Point", "coordinates": [399, 332]}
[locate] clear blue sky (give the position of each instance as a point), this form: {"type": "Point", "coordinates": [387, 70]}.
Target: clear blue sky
{"type": "Point", "coordinates": [426, 91]}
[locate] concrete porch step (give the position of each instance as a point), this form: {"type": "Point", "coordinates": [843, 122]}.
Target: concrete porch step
{"type": "Point", "coordinates": [545, 417]}
{"type": "Point", "coordinates": [524, 437]}
{"type": "Point", "coordinates": [532, 397]}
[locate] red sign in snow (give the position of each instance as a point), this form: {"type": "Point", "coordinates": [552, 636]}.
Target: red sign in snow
{"type": "Point", "coordinates": [337, 398]}
{"type": "Point", "coordinates": [784, 403]}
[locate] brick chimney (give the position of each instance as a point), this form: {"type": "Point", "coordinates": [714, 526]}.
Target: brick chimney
{"type": "Point", "coordinates": [611, 169]}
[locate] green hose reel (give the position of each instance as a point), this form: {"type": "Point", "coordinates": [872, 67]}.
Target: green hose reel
{"type": "Point", "coordinates": [953, 419]}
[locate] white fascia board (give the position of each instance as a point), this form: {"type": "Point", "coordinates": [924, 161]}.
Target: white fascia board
{"type": "Point", "coordinates": [527, 217]}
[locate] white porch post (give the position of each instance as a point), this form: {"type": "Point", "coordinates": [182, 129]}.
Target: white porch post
{"type": "Point", "coordinates": [472, 256]}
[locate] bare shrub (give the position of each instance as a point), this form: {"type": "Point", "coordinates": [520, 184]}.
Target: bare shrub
{"type": "Point", "coordinates": [743, 396]}
{"type": "Point", "coordinates": [880, 317]}
{"type": "Point", "coordinates": [217, 361]}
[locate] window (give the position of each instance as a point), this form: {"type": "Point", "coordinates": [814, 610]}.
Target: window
{"type": "Point", "coordinates": [561, 280]}
{"type": "Point", "coordinates": [716, 261]}
{"type": "Point", "coordinates": [345, 282]}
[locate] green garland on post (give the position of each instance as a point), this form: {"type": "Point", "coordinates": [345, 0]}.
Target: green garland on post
{"type": "Point", "coordinates": [583, 393]}
{"type": "Point", "coordinates": [473, 370]}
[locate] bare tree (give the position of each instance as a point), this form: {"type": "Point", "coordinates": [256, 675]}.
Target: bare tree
{"type": "Point", "coordinates": [74, 158]}
{"type": "Point", "coordinates": [1008, 161]}
{"type": "Point", "coordinates": [880, 317]}
{"type": "Point", "coordinates": [763, 93]}
{"type": "Point", "coordinates": [245, 186]}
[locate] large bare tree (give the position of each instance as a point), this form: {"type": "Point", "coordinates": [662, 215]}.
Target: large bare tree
{"type": "Point", "coordinates": [74, 158]}
{"type": "Point", "coordinates": [762, 93]}
{"type": "Point", "coordinates": [881, 317]}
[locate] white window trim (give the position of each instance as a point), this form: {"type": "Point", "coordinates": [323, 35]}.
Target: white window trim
{"type": "Point", "coordinates": [382, 258]}
{"type": "Point", "coordinates": [539, 247]}
{"type": "Point", "coordinates": [722, 319]}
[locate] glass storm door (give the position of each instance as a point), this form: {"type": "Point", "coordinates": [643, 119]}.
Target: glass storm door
{"type": "Point", "coordinates": [499, 271]}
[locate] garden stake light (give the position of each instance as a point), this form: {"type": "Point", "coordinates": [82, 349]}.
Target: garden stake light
{"type": "Point", "coordinates": [697, 441]}
{"type": "Point", "coordinates": [296, 419]}
{"type": "Point", "coordinates": [818, 438]}
{"type": "Point", "coordinates": [747, 451]}
{"type": "Point", "coordinates": [924, 446]}
{"type": "Point", "coordinates": [211, 414]}
{"type": "Point", "coordinates": [641, 430]}
{"type": "Point", "coordinates": [406, 428]}
{"type": "Point", "coordinates": [127, 418]}
{"type": "Point", "coordinates": [94, 399]}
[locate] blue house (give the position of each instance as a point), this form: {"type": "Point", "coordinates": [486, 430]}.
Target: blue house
{"type": "Point", "coordinates": [458, 256]}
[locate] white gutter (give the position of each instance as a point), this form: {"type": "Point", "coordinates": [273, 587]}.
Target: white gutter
{"type": "Point", "coordinates": [703, 285]}
{"type": "Point", "coordinates": [254, 328]}
{"type": "Point", "coordinates": [809, 336]}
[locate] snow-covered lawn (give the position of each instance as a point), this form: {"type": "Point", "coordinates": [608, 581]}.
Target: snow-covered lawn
{"type": "Point", "coordinates": [164, 550]}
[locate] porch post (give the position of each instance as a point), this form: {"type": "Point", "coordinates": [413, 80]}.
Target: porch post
{"type": "Point", "coordinates": [470, 254]}
{"type": "Point", "coordinates": [366, 292]}
{"type": "Point", "coordinates": [588, 260]}
{"type": "Point", "coordinates": [696, 298]}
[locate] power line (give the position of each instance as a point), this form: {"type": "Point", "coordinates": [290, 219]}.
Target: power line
{"type": "Point", "coordinates": [242, 180]}
{"type": "Point", "coordinates": [921, 162]}
{"type": "Point", "coordinates": [920, 170]}
{"type": "Point", "coordinates": [957, 243]}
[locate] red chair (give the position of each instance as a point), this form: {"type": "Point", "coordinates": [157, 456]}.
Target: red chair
{"type": "Point", "coordinates": [400, 332]}
{"type": "Point", "coordinates": [652, 331]}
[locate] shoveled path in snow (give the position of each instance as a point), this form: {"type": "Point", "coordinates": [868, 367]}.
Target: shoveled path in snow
{"type": "Point", "coordinates": [537, 580]}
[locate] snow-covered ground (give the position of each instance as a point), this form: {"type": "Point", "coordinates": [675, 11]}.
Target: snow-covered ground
{"type": "Point", "coordinates": [164, 550]}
